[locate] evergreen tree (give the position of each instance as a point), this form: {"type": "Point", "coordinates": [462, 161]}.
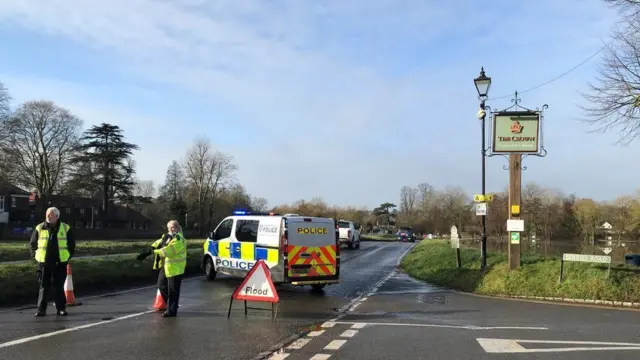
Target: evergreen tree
{"type": "Point", "coordinates": [104, 162]}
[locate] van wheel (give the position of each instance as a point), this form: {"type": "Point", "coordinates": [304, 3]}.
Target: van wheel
{"type": "Point", "coordinates": [358, 245]}
{"type": "Point", "coordinates": [209, 269]}
{"type": "Point", "coordinates": [350, 245]}
{"type": "Point", "coordinates": [317, 287]}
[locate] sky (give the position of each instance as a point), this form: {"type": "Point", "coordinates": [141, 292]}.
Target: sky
{"type": "Point", "coordinates": [344, 100]}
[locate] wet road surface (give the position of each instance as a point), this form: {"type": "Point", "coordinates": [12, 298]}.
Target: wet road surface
{"type": "Point", "coordinates": [124, 326]}
{"type": "Point", "coordinates": [377, 312]}
{"type": "Point", "coordinates": [401, 318]}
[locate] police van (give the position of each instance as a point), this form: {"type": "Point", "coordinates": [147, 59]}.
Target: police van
{"type": "Point", "coordinates": [299, 250]}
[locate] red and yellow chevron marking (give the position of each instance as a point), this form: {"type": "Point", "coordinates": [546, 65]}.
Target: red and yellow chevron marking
{"type": "Point", "coordinates": [321, 258]}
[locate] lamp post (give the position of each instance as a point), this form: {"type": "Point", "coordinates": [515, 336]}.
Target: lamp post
{"type": "Point", "coordinates": [483, 83]}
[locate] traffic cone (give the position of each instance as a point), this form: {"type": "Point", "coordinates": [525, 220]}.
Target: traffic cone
{"type": "Point", "coordinates": [159, 303]}
{"type": "Point", "coordinates": [68, 289]}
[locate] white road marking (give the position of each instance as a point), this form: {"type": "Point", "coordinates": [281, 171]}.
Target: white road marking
{"type": "Point", "coordinates": [358, 325]}
{"type": "Point", "coordinates": [328, 324]}
{"type": "Point", "coordinates": [46, 335]}
{"type": "Point", "coordinates": [280, 356]}
{"type": "Point", "coordinates": [349, 333]}
{"type": "Point", "coordinates": [466, 327]}
{"type": "Point", "coordinates": [87, 326]}
{"type": "Point", "coordinates": [320, 357]}
{"type": "Point", "coordinates": [299, 344]}
{"type": "Point", "coordinates": [315, 333]}
{"type": "Point", "coordinates": [335, 344]}
{"type": "Point", "coordinates": [513, 345]}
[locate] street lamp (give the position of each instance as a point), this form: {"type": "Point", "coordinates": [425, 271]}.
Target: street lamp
{"type": "Point", "coordinates": [483, 83]}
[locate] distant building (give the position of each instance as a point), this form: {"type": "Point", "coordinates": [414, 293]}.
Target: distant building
{"type": "Point", "coordinates": [18, 216]}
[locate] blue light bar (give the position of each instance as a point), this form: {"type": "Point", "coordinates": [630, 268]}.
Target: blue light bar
{"type": "Point", "coordinates": [240, 212]}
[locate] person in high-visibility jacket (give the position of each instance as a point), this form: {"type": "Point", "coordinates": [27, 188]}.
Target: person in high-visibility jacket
{"type": "Point", "coordinates": [170, 258]}
{"type": "Point", "coordinates": [52, 246]}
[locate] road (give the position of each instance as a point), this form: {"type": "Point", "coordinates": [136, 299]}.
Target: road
{"type": "Point", "coordinates": [376, 312]}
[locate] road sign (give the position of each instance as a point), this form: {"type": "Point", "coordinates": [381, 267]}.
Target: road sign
{"type": "Point", "coordinates": [257, 285]}
{"type": "Point", "coordinates": [515, 225]}
{"type": "Point", "coordinates": [481, 209]}
{"type": "Point", "coordinates": [515, 346]}
{"type": "Point", "coordinates": [601, 259]}
{"type": "Point", "coordinates": [607, 250]}
{"type": "Point", "coordinates": [515, 238]}
{"type": "Point", "coordinates": [479, 198]}
{"type": "Point", "coordinates": [488, 198]}
{"type": "Point", "coordinates": [455, 240]}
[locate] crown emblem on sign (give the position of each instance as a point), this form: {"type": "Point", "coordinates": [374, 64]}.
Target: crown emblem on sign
{"type": "Point", "coordinates": [516, 128]}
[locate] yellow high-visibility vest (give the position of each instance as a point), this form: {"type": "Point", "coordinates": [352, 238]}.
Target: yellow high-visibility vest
{"type": "Point", "coordinates": [172, 257]}
{"type": "Point", "coordinates": [43, 240]}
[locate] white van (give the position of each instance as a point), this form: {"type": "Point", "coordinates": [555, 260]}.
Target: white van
{"type": "Point", "coordinates": [299, 250]}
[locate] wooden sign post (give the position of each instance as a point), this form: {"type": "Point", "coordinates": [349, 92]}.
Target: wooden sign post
{"type": "Point", "coordinates": [516, 134]}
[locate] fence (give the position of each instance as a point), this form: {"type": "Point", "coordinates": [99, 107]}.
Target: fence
{"type": "Point", "coordinates": [555, 248]}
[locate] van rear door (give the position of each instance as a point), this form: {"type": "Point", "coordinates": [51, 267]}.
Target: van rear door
{"type": "Point", "coordinates": [312, 251]}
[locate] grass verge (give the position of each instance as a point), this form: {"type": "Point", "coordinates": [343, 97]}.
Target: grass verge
{"type": "Point", "coordinates": [434, 261]}
{"type": "Point", "coordinates": [17, 251]}
{"type": "Point", "coordinates": [378, 238]}
{"type": "Point", "coordinates": [97, 275]}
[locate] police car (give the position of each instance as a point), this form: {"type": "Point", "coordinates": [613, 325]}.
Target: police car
{"type": "Point", "coordinates": [299, 250]}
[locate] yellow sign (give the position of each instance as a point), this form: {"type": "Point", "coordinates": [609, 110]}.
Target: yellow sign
{"type": "Point", "coordinates": [313, 231]}
{"type": "Point", "coordinates": [515, 209]}
{"type": "Point", "coordinates": [483, 198]}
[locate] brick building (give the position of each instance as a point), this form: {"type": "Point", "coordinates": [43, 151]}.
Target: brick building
{"type": "Point", "coordinates": [20, 212]}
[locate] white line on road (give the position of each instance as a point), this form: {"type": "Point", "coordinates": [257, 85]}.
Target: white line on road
{"type": "Point", "coordinates": [280, 356]}
{"type": "Point", "coordinates": [87, 326]}
{"type": "Point", "coordinates": [316, 333]}
{"type": "Point", "coordinates": [466, 327]}
{"type": "Point", "coordinates": [513, 346]}
{"type": "Point", "coordinates": [299, 344]}
{"type": "Point", "coordinates": [349, 333]}
{"type": "Point", "coordinates": [328, 324]}
{"type": "Point", "coordinates": [335, 344]}
{"type": "Point", "coordinates": [358, 325]}
{"type": "Point", "coordinates": [320, 357]}
{"type": "Point", "coordinates": [46, 335]}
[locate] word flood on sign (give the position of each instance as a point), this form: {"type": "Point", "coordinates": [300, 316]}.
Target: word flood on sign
{"type": "Point", "coordinates": [256, 286]}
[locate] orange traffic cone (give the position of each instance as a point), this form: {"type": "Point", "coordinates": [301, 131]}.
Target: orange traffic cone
{"type": "Point", "coordinates": [68, 288]}
{"type": "Point", "coordinates": [159, 303]}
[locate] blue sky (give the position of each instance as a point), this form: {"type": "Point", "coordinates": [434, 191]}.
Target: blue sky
{"type": "Point", "coordinates": [344, 100]}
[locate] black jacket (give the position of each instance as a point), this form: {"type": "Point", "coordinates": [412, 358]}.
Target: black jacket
{"type": "Point", "coordinates": [53, 254]}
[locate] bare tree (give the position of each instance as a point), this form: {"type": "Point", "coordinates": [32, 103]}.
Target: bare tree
{"type": "Point", "coordinates": [5, 100]}
{"type": "Point", "coordinates": [614, 101]}
{"type": "Point", "coordinates": [145, 189]}
{"type": "Point", "coordinates": [207, 172]}
{"type": "Point", "coordinates": [408, 197]}
{"type": "Point", "coordinates": [39, 145]}
{"type": "Point", "coordinates": [259, 203]}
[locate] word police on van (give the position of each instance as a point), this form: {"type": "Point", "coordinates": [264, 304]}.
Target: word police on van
{"type": "Point", "coordinates": [299, 250]}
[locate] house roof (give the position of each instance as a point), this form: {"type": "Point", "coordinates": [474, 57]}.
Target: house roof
{"type": "Point", "coordinates": [8, 188]}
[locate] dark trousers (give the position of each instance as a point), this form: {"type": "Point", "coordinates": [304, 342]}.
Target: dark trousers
{"type": "Point", "coordinates": [52, 274]}
{"type": "Point", "coordinates": [170, 290]}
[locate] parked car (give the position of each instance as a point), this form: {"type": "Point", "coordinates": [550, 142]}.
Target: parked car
{"type": "Point", "coordinates": [405, 233]}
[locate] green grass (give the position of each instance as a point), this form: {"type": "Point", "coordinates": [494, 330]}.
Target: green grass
{"type": "Point", "coordinates": [19, 285]}
{"type": "Point", "coordinates": [378, 238]}
{"type": "Point", "coordinates": [16, 251]}
{"type": "Point", "coordinates": [434, 261]}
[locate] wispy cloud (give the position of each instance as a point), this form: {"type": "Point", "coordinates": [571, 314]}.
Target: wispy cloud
{"type": "Point", "coordinates": [364, 88]}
